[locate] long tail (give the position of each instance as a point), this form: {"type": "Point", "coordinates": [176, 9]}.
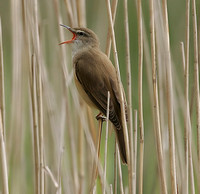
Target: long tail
{"type": "Point", "coordinates": [121, 144]}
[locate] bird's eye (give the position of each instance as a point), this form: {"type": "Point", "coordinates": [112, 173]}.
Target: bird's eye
{"type": "Point", "coordinates": [81, 33]}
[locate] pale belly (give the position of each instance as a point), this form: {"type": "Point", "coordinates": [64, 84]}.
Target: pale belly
{"type": "Point", "coordinates": [83, 94]}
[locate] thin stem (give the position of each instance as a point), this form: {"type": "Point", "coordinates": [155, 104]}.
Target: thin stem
{"type": "Point", "coordinates": [134, 154]}
{"type": "Point", "coordinates": [2, 91]}
{"type": "Point", "coordinates": [120, 172]}
{"type": "Point", "coordinates": [141, 161]}
{"type": "Point", "coordinates": [3, 161]}
{"type": "Point", "coordinates": [125, 131]}
{"type": "Point", "coordinates": [157, 127]}
{"type": "Point", "coordinates": [169, 100]}
{"type": "Point", "coordinates": [186, 75]}
{"type": "Point", "coordinates": [115, 168]}
{"type": "Point", "coordinates": [140, 78]}
{"type": "Point", "coordinates": [48, 171]}
{"type": "Point", "coordinates": [197, 95]}
{"type": "Point", "coordinates": [35, 123]}
{"type": "Point", "coordinates": [81, 13]}
{"type": "Point", "coordinates": [106, 142]}
{"type": "Point", "coordinates": [187, 120]}
{"type": "Point", "coordinates": [108, 42]}
{"type": "Point", "coordinates": [40, 126]}
{"type": "Point", "coordinates": [95, 164]}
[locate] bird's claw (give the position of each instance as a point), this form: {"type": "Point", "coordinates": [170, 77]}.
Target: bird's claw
{"type": "Point", "coordinates": [101, 116]}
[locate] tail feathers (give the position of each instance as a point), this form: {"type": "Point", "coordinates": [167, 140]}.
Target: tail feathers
{"type": "Point", "coordinates": [121, 145]}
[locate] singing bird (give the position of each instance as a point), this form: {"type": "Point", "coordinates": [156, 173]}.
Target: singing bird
{"type": "Point", "coordinates": [94, 76]}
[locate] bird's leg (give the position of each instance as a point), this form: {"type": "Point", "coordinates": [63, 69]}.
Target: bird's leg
{"type": "Point", "coordinates": [100, 116]}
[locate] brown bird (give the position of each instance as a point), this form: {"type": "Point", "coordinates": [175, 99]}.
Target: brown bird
{"type": "Point", "coordinates": [94, 76]}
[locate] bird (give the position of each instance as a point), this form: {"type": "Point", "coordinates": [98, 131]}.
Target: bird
{"type": "Point", "coordinates": [94, 76]}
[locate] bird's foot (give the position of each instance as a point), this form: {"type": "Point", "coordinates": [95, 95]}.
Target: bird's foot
{"type": "Point", "coordinates": [100, 116]}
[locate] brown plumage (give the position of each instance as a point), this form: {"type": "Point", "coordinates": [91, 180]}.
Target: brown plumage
{"type": "Point", "coordinates": [94, 76]}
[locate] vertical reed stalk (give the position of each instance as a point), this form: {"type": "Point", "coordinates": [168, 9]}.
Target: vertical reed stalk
{"type": "Point", "coordinates": [108, 42]}
{"type": "Point", "coordinates": [81, 12]}
{"type": "Point", "coordinates": [40, 126]}
{"type": "Point", "coordinates": [95, 164]}
{"type": "Point", "coordinates": [187, 119]}
{"type": "Point", "coordinates": [2, 91]}
{"type": "Point", "coordinates": [157, 127]}
{"type": "Point", "coordinates": [106, 143]}
{"type": "Point", "coordinates": [81, 158]}
{"type": "Point", "coordinates": [69, 11]}
{"type": "Point", "coordinates": [169, 100]}
{"type": "Point", "coordinates": [141, 160]}
{"type": "Point", "coordinates": [119, 81]}
{"type": "Point", "coordinates": [35, 124]}
{"type": "Point", "coordinates": [4, 173]}
{"type": "Point", "coordinates": [186, 75]}
{"type": "Point", "coordinates": [3, 161]}
{"type": "Point", "coordinates": [94, 154]}
{"type": "Point", "coordinates": [111, 189]}
{"type": "Point", "coordinates": [196, 84]}
{"type": "Point", "coordinates": [120, 172]}
{"type": "Point", "coordinates": [115, 168]}
{"type": "Point", "coordinates": [129, 86]}
{"type": "Point", "coordinates": [134, 154]}
{"type": "Point", "coordinates": [140, 97]}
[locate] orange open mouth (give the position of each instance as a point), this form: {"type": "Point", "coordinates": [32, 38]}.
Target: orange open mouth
{"type": "Point", "coordinates": [74, 35]}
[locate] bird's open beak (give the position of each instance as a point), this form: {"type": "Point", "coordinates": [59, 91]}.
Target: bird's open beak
{"type": "Point", "coordinates": [72, 31]}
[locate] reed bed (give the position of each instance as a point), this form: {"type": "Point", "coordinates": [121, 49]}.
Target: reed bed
{"type": "Point", "coordinates": [50, 141]}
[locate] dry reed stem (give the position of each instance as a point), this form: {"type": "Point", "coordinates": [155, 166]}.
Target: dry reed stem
{"type": "Point", "coordinates": [2, 91]}
{"type": "Point", "coordinates": [48, 171]}
{"type": "Point", "coordinates": [38, 95]}
{"type": "Point", "coordinates": [115, 168]}
{"type": "Point", "coordinates": [190, 158]}
{"type": "Point", "coordinates": [81, 13]}
{"type": "Point", "coordinates": [129, 91]}
{"type": "Point", "coordinates": [134, 154]}
{"type": "Point", "coordinates": [81, 158]}
{"type": "Point", "coordinates": [69, 11]}
{"type": "Point", "coordinates": [183, 55]}
{"type": "Point", "coordinates": [94, 153]}
{"type": "Point", "coordinates": [169, 100]}
{"type": "Point", "coordinates": [72, 146]}
{"type": "Point", "coordinates": [35, 123]}
{"type": "Point", "coordinates": [40, 126]}
{"type": "Point", "coordinates": [59, 172]}
{"type": "Point", "coordinates": [157, 128]}
{"type": "Point", "coordinates": [186, 75]}
{"type": "Point", "coordinates": [74, 12]}
{"type": "Point", "coordinates": [16, 111]}
{"type": "Point", "coordinates": [4, 173]}
{"type": "Point", "coordinates": [196, 84]}
{"type": "Point", "coordinates": [98, 145]}
{"type": "Point", "coordinates": [111, 189]}
{"type": "Point", "coordinates": [187, 118]}
{"type": "Point", "coordinates": [120, 172]}
{"type": "Point", "coordinates": [108, 42]}
{"type": "Point", "coordinates": [119, 82]}
{"type": "Point", "coordinates": [94, 190]}
{"type": "Point", "coordinates": [140, 95]}
{"type": "Point", "coordinates": [106, 142]}
{"type": "Point", "coordinates": [141, 161]}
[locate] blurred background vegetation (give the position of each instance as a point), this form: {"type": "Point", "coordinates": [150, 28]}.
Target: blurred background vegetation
{"type": "Point", "coordinates": [18, 110]}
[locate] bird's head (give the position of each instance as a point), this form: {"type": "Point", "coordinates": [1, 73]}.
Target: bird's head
{"type": "Point", "coordinates": [82, 38]}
